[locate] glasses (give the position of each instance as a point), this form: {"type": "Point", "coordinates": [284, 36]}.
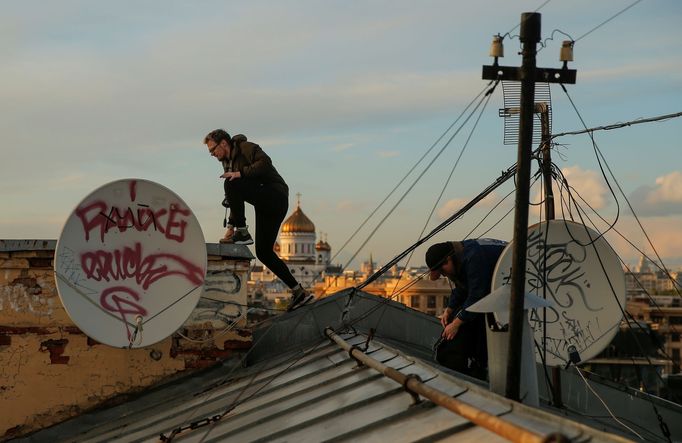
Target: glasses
{"type": "Point", "coordinates": [211, 150]}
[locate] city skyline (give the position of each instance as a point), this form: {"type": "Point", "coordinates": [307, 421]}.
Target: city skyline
{"type": "Point", "coordinates": [344, 97]}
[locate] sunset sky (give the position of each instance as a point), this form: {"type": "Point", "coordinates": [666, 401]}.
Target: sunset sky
{"type": "Point", "coordinates": [345, 96]}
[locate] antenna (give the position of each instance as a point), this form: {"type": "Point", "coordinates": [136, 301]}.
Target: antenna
{"type": "Point", "coordinates": [575, 269]}
{"type": "Point", "coordinates": [130, 263]}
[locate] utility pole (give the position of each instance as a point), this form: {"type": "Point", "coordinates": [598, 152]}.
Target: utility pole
{"type": "Point", "coordinates": [527, 74]}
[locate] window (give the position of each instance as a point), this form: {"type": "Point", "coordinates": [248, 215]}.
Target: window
{"type": "Point", "coordinates": [414, 301]}
{"type": "Point", "coordinates": [431, 301]}
{"type": "Point", "coordinates": [676, 320]}
{"type": "Point", "coordinates": [446, 299]}
{"type": "Point", "coordinates": [676, 356]}
{"type": "Point", "coordinates": [674, 337]}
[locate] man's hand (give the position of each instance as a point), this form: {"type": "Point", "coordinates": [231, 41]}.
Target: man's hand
{"type": "Point", "coordinates": [451, 330]}
{"type": "Point", "coordinates": [444, 317]}
{"type": "Point", "coordinates": [231, 175]}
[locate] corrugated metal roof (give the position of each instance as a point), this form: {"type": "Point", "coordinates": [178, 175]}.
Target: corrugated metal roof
{"type": "Point", "coordinates": [321, 394]}
{"type": "Point", "coordinates": [299, 386]}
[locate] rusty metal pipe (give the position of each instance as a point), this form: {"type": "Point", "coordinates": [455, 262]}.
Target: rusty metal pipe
{"type": "Point", "coordinates": [488, 421]}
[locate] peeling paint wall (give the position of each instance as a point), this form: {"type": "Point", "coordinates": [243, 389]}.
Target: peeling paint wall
{"type": "Point", "coordinates": [50, 371]}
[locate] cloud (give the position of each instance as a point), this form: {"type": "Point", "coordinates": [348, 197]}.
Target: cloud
{"type": "Point", "coordinates": [664, 233]}
{"type": "Point", "coordinates": [342, 147]}
{"type": "Point", "coordinates": [588, 184]}
{"type": "Point", "coordinates": [455, 204]}
{"type": "Point", "coordinates": [388, 154]}
{"type": "Point", "coordinates": [664, 198]}
{"type": "Point", "coordinates": [348, 206]}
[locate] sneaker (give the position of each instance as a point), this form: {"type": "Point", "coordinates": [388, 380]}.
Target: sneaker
{"type": "Point", "coordinates": [242, 237]}
{"type": "Point", "coordinates": [227, 238]}
{"type": "Point", "coordinates": [299, 298]}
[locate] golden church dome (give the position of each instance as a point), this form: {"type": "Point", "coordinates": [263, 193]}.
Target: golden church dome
{"type": "Point", "coordinates": [322, 246]}
{"type": "Point", "coordinates": [298, 222]}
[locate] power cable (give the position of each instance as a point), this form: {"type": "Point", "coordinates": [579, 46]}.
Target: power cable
{"type": "Point", "coordinates": [490, 212]}
{"type": "Point", "coordinates": [605, 405]}
{"type": "Point", "coordinates": [381, 222]}
{"type": "Point", "coordinates": [214, 336]}
{"type": "Point", "coordinates": [625, 312]}
{"type": "Point", "coordinates": [275, 321]}
{"type": "Point", "coordinates": [506, 175]}
{"type": "Point", "coordinates": [443, 189]}
{"type": "Point", "coordinates": [400, 182]}
{"type": "Point", "coordinates": [613, 292]}
{"type": "Point", "coordinates": [418, 178]}
{"type": "Point", "coordinates": [599, 154]}
{"type": "Point", "coordinates": [508, 33]}
{"type": "Point", "coordinates": [620, 125]}
{"type": "Point", "coordinates": [674, 282]}
{"type": "Point", "coordinates": [267, 331]}
{"type": "Point", "coordinates": [607, 20]}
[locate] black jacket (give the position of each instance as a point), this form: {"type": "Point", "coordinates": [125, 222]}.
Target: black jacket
{"type": "Point", "coordinates": [253, 164]}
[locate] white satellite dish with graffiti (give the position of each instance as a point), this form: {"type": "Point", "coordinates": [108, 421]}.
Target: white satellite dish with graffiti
{"type": "Point", "coordinates": [573, 267]}
{"type": "Point", "coordinates": [130, 263]}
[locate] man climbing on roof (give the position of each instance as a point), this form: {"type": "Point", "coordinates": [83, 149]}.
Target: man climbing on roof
{"type": "Point", "coordinates": [250, 177]}
{"type": "Point", "coordinates": [469, 264]}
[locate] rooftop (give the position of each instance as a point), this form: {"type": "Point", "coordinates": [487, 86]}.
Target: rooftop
{"type": "Point", "coordinates": [299, 386]}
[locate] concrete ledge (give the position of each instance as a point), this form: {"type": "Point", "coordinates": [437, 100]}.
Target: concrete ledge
{"type": "Point", "coordinates": [27, 245]}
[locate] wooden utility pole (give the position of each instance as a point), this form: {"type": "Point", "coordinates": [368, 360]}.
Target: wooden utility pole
{"type": "Point", "coordinates": [527, 74]}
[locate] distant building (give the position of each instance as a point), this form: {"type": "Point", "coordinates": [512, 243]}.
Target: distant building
{"type": "Point", "coordinates": [645, 278]}
{"type": "Point", "coordinates": [653, 298]}
{"type": "Point", "coordinates": [307, 258]}
{"type": "Point", "coordinates": [406, 286]}
{"type": "Point", "coordinates": [634, 358]}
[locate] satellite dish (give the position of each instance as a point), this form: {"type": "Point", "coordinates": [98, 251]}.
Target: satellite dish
{"type": "Point", "coordinates": [500, 301]}
{"type": "Point", "coordinates": [130, 263]}
{"type": "Point", "coordinates": [576, 270]}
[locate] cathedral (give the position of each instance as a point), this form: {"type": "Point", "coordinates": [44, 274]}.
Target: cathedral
{"type": "Point", "coordinates": [306, 258]}
{"type": "Point", "coordinates": [309, 261]}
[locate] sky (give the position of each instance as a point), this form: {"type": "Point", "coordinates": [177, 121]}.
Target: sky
{"type": "Point", "coordinates": [345, 97]}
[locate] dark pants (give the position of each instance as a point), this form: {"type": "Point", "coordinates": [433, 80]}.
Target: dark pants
{"type": "Point", "coordinates": [271, 204]}
{"type": "Point", "coordinates": [468, 351]}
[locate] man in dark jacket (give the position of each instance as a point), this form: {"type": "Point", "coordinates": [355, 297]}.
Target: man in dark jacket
{"type": "Point", "coordinates": [250, 177]}
{"type": "Point", "coordinates": [469, 264]}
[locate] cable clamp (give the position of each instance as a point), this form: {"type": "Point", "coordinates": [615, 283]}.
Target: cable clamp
{"type": "Point", "coordinates": [134, 339]}
{"type": "Point", "coordinates": [205, 422]}
{"type": "Point", "coordinates": [370, 336]}
{"type": "Point", "coordinates": [350, 354]}
{"type": "Point", "coordinates": [194, 425]}
{"type": "Point", "coordinates": [415, 397]}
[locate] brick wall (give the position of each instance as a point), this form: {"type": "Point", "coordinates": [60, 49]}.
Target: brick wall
{"type": "Point", "coordinates": [51, 371]}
